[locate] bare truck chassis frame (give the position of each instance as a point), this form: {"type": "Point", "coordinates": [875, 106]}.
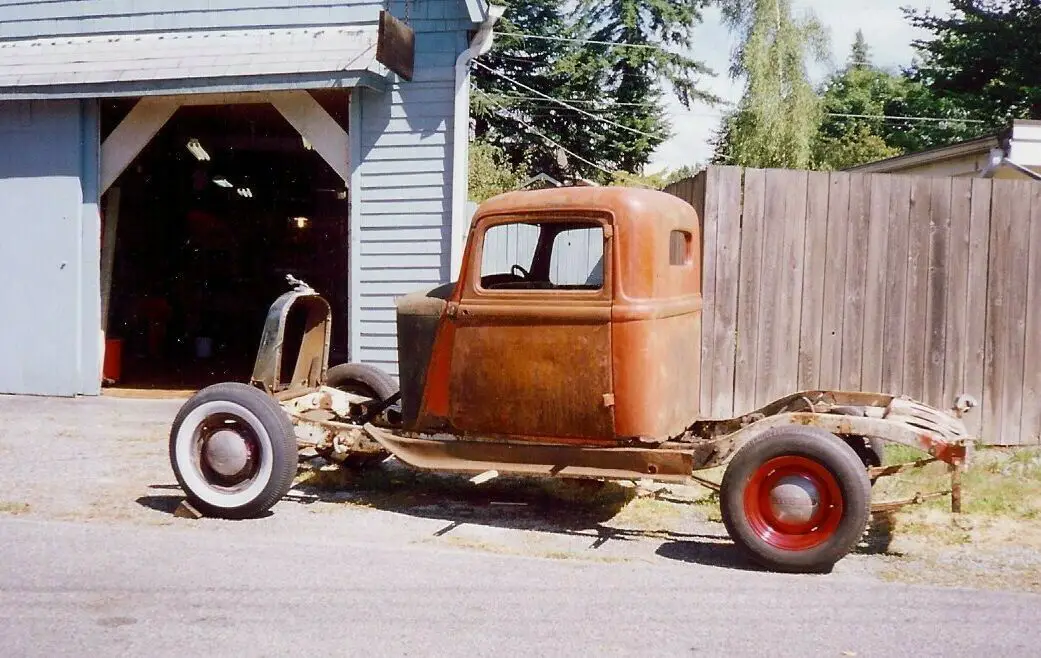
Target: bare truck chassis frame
{"type": "Point", "coordinates": [335, 424]}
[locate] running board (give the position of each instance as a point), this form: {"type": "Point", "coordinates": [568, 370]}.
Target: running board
{"type": "Point", "coordinates": [537, 460]}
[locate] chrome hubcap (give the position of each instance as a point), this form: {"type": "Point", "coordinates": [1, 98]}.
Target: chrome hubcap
{"type": "Point", "coordinates": [226, 452]}
{"type": "Point", "coordinates": [794, 500]}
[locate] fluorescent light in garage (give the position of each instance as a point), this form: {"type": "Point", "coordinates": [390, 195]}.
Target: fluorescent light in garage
{"type": "Point", "coordinates": [197, 150]}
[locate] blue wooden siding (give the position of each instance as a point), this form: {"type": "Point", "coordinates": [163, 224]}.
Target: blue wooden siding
{"type": "Point", "coordinates": [23, 19]}
{"type": "Point", "coordinates": [49, 255]}
{"type": "Point", "coordinates": [402, 189]}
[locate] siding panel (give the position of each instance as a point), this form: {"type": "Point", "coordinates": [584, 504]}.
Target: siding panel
{"type": "Point", "coordinates": [62, 18]}
{"type": "Point", "coordinates": [50, 249]}
{"type": "Point", "coordinates": [403, 190]}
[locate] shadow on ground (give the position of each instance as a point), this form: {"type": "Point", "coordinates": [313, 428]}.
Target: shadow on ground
{"type": "Point", "coordinates": [168, 503]}
{"type": "Point", "coordinates": [582, 508]}
{"type": "Point", "coordinates": [570, 507]}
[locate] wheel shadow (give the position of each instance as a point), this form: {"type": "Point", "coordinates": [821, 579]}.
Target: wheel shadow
{"type": "Point", "coordinates": [168, 503]}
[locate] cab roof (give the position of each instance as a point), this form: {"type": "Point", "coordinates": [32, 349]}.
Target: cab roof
{"type": "Point", "coordinates": [629, 205]}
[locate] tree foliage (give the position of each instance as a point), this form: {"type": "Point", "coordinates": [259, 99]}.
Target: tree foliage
{"type": "Point", "coordinates": [777, 120]}
{"type": "Point", "coordinates": [984, 58]}
{"type": "Point", "coordinates": [490, 172]}
{"type": "Point", "coordinates": [859, 105]}
{"type": "Point", "coordinates": [623, 82]}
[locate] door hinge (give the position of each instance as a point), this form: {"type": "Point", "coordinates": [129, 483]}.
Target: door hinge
{"type": "Point", "coordinates": [608, 400]}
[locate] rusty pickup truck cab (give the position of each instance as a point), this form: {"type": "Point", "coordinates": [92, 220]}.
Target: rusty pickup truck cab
{"type": "Point", "coordinates": [569, 347]}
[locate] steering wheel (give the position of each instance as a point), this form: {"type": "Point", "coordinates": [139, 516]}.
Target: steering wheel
{"type": "Point", "coordinates": [523, 272]}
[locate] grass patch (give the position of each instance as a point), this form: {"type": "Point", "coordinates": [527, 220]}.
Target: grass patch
{"type": "Point", "coordinates": [11, 507]}
{"type": "Point", "coordinates": [1000, 483]}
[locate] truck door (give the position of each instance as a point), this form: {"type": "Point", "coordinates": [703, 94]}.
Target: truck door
{"type": "Point", "coordinates": [532, 349]}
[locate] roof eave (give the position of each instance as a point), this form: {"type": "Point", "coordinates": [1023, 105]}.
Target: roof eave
{"type": "Point", "coordinates": [231, 84]}
{"type": "Point", "coordinates": [981, 145]}
{"type": "Point", "coordinates": [478, 10]}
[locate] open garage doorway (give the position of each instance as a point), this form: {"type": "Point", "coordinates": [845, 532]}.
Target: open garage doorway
{"type": "Point", "coordinates": [213, 213]}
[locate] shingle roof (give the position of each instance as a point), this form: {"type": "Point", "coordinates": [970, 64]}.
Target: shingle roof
{"type": "Point", "coordinates": [169, 56]}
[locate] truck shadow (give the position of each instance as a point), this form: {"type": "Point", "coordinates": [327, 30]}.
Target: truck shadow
{"type": "Point", "coordinates": [588, 509]}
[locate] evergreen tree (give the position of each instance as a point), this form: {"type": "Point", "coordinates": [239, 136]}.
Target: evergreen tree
{"type": "Point", "coordinates": [985, 57]}
{"type": "Point", "coordinates": [860, 55]}
{"type": "Point", "coordinates": [622, 82]}
{"type": "Point", "coordinates": [501, 108]}
{"type": "Point", "coordinates": [777, 120]}
{"type": "Point", "coordinates": [646, 65]}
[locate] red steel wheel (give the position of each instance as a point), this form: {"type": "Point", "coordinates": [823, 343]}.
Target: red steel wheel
{"type": "Point", "coordinates": [796, 499]}
{"type": "Point", "coordinates": [793, 503]}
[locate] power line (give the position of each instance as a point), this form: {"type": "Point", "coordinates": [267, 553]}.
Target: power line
{"type": "Point", "coordinates": [900, 118]}
{"type": "Point", "coordinates": [562, 103]}
{"type": "Point", "coordinates": [610, 106]}
{"type": "Point", "coordinates": [542, 135]}
{"type": "Point", "coordinates": [522, 35]}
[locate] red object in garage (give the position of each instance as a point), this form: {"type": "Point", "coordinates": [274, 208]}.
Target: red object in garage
{"type": "Point", "coordinates": [112, 366]}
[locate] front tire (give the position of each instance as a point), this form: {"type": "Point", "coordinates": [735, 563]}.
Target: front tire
{"type": "Point", "coordinates": [796, 499]}
{"type": "Point", "coordinates": [233, 451]}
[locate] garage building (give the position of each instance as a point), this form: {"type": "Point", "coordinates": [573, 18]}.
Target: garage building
{"type": "Point", "coordinates": [164, 166]}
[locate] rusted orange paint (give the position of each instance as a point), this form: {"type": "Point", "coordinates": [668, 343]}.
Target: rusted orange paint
{"type": "Point", "coordinates": [537, 364]}
{"type": "Point", "coordinates": [435, 389]}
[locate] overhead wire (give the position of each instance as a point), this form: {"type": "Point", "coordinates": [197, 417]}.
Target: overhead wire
{"type": "Point", "coordinates": [541, 134]}
{"type": "Point", "coordinates": [522, 35]}
{"type": "Point", "coordinates": [564, 104]}
{"type": "Point", "coordinates": [602, 106]}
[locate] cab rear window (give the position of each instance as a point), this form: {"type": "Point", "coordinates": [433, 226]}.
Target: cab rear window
{"type": "Point", "coordinates": [543, 256]}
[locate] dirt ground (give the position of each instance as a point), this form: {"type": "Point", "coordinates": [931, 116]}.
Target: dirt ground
{"type": "Point", "coordinates": [104, 460]}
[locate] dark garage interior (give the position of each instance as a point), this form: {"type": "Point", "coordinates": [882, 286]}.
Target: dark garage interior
{"type": "Point", "coordinates": [223, 202]}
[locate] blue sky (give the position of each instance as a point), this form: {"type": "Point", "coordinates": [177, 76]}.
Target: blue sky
{"type": "Point", "coordinates": [884, 26]}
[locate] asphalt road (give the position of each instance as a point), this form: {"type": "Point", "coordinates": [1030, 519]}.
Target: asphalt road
{"type": "Point", "coordinates": [88, 589]}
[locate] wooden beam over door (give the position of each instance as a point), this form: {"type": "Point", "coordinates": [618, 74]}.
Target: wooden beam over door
{"type": "Point", "coordinates": [132, 134]}
{"type": "Point", "coordinates": [311, 120]}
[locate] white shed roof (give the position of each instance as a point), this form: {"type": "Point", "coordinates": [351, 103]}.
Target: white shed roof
{"type": "Point", "coordinates": [167, 62]}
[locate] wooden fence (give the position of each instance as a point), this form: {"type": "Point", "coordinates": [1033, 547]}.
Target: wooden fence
{"type": "Point", "coordinates": [898, 284]}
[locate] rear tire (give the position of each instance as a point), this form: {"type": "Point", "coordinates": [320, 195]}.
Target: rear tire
{"type": "Point", "coordinates": [796, 499]}
{"type": "Point", "coordinates": [361, 379]}
{"type": "Point", "coordinates": [367, 381]}
{"type": "Point", "coordinates": [233, 451]}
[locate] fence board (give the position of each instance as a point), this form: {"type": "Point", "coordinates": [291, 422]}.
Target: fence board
{"type": "Point", "coordinates": [875, 283]}
{"type": "Point", "coordinates": [770, 339]}
{"type": "Point", "coordinates": [856, 271]}
{"type": "Point", "coordinates": [728, 252]}
{"type": "Point", "coordinates": [896, 285]}
{"type": "Point", "coordinates": [749, 301]}
{"type": "Point", "coordinates": [936, 298]}
{"type": "Point", "coordinates": [917, 289]}
{"type": "Point", "coordinates": [708, 286]}
{"type": "Point", "coordinates": [1031, 422]}
{"type": "Point", "coordinates": [957, 293]}
{"type": "Point", "coordinates": [997, 312]}
{"type": "Point", "coordinates": [916, 286]}
{"type": "Point", "coordinates": [790, 304]}
{"type": "Point", "coordinates": [814, 253]}
{"type": "Point", "coordinates": [979, 265]}
{"type": "Point", "coordinates": [1016, 287]}
{"type": "Point", "coordinates": [834, 281]}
